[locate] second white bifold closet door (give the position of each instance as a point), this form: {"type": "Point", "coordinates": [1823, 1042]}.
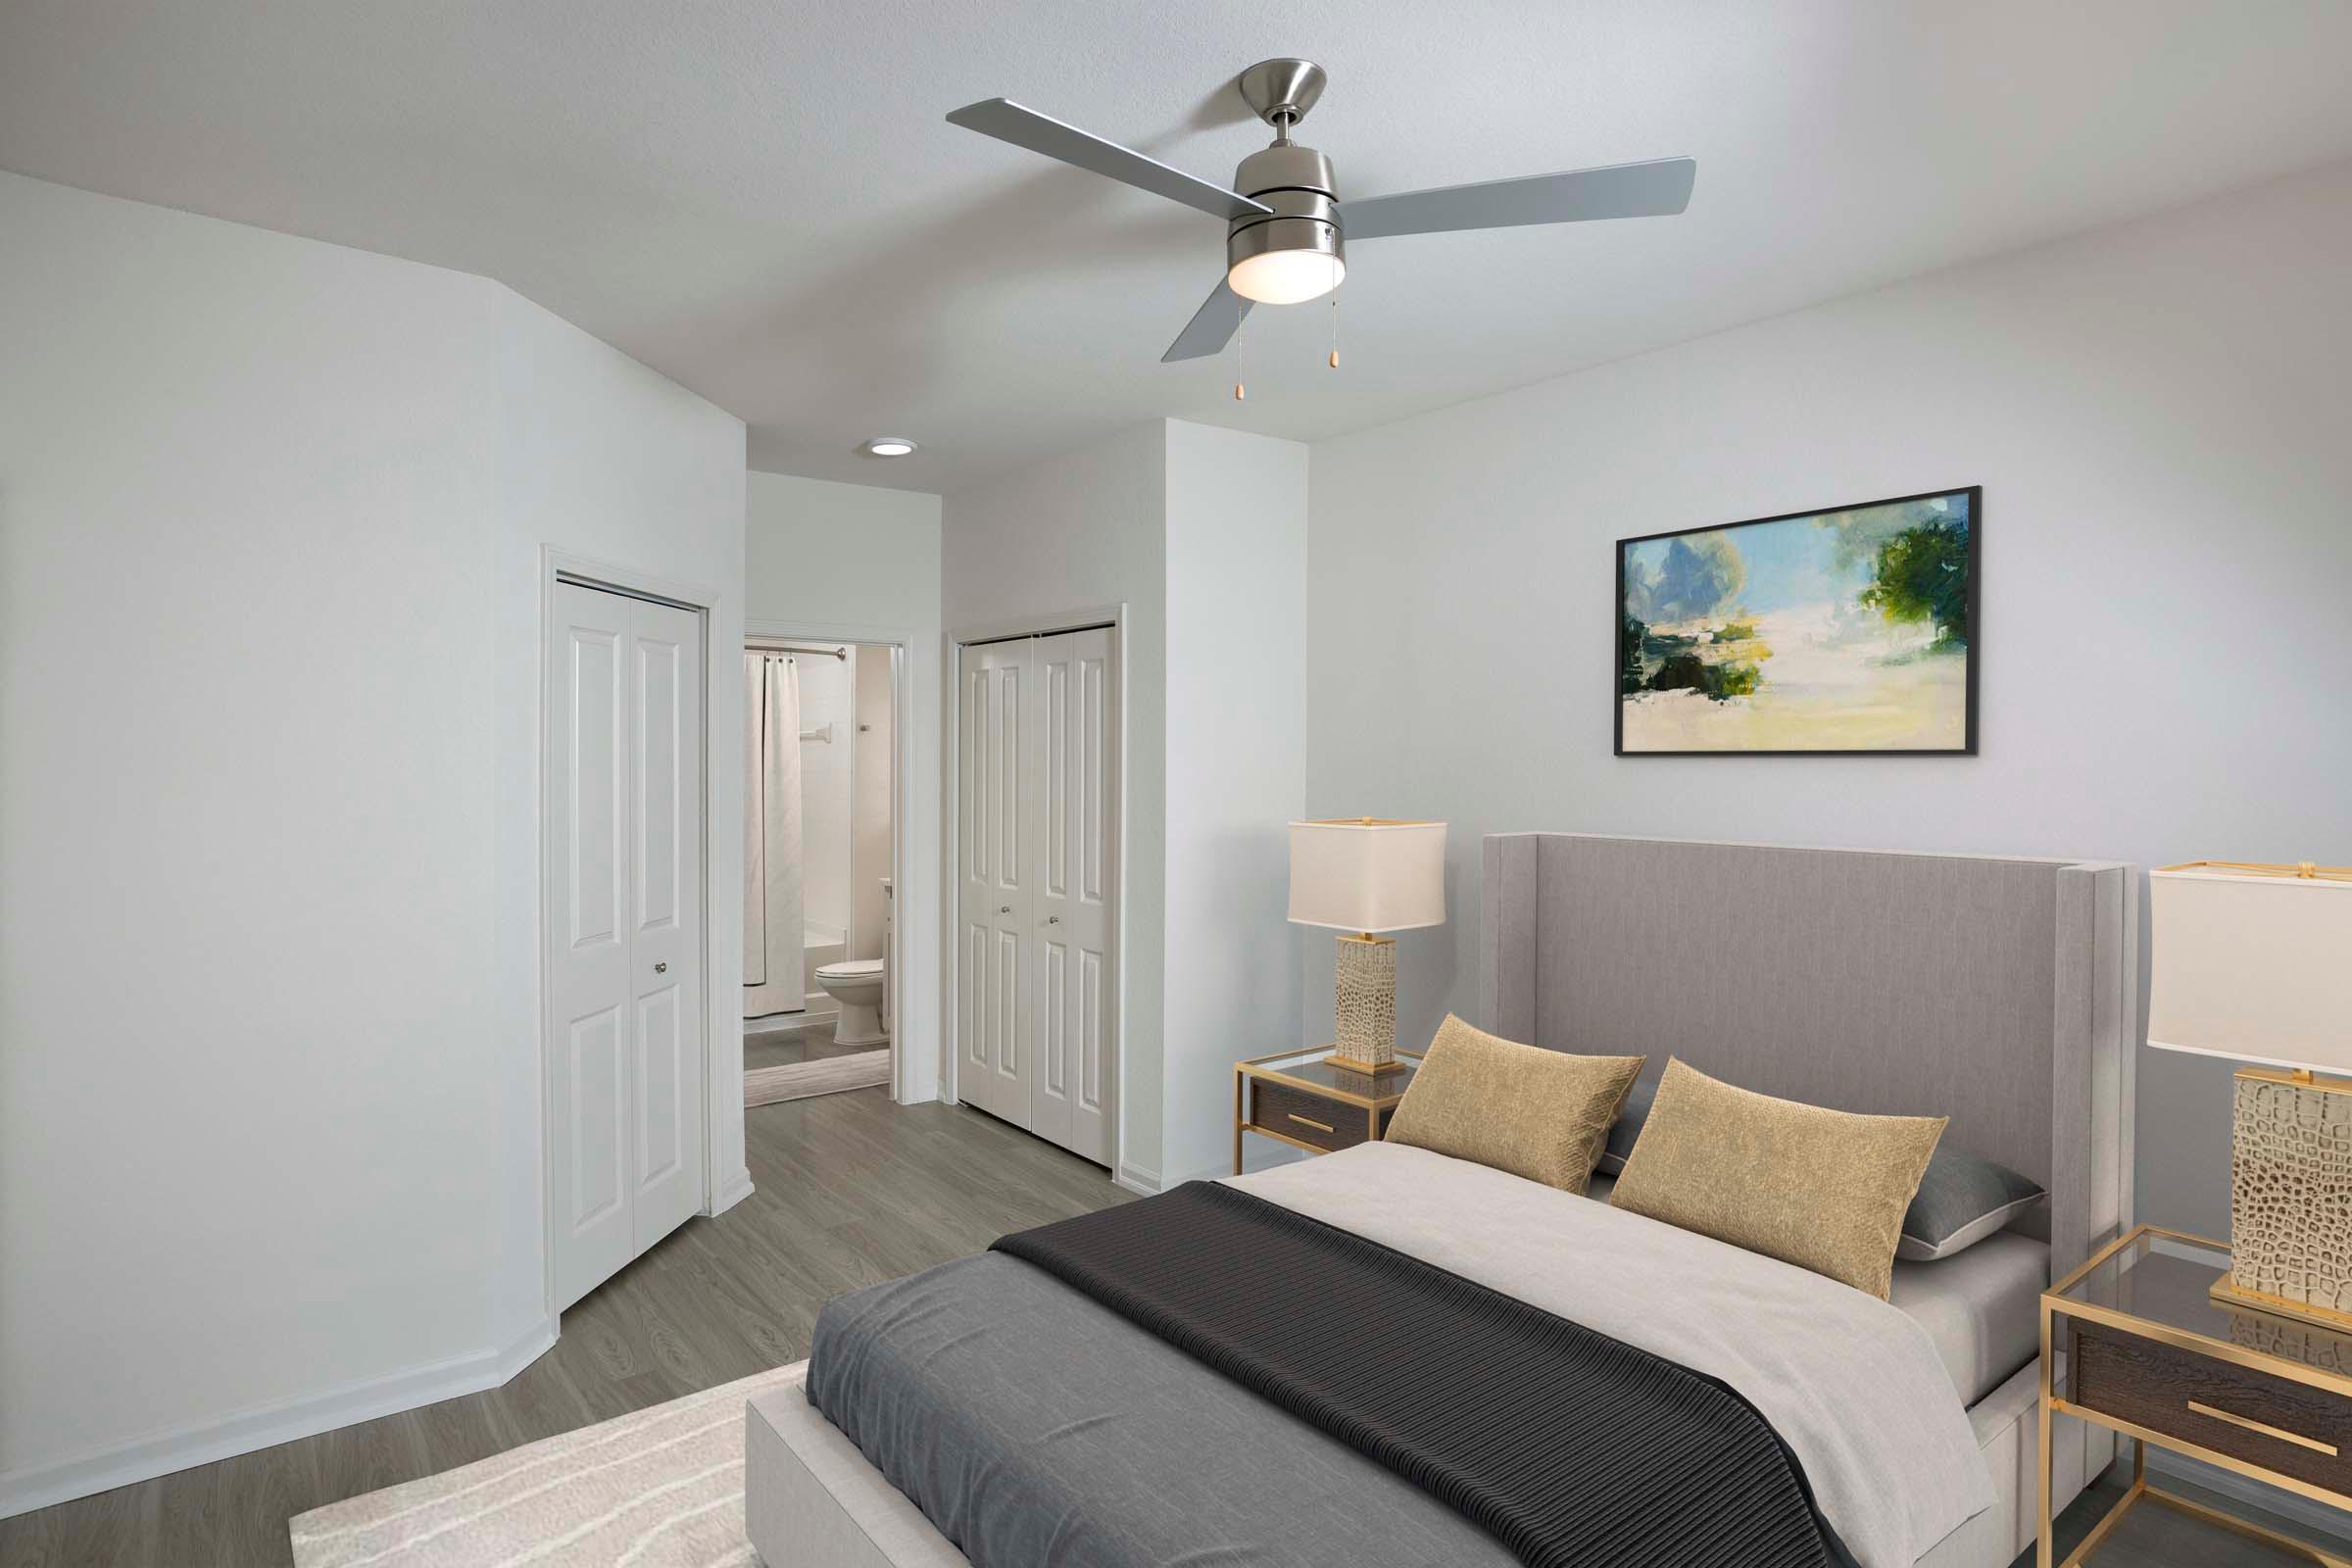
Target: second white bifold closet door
{"type": "Point", "coordinates": [1035, 1010]}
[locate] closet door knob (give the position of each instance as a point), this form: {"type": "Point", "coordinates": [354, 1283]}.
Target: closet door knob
{"type": "Point", "coordinates": [662, 969]}
{"type": "Point", "coordinates": [1053, 919]}
{"type": "Point", "coordinates": [1003, 908]}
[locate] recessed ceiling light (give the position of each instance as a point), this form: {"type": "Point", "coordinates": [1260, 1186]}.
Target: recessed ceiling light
{"type": "Point", "coordinates": [887, 446]}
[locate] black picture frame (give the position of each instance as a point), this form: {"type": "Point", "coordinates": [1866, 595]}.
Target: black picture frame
{"type": "Point", "coordinates": [1976, 623]}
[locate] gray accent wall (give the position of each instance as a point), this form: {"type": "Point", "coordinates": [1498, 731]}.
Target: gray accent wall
{"type": "Point", "coordinates": [2158, 414]}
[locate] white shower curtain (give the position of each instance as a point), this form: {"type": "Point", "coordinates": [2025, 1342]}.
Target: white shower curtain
{"type": "Point", "coordinates": [774, 939]}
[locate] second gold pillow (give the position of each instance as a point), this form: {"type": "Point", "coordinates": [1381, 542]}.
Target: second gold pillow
{"type": "Point", "coordinates": [1825, 1190]}
{"type": "Point", "coordinates": [1537, 1114]}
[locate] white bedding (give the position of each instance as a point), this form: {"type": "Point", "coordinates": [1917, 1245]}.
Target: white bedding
{"type": "Point", "coordinates": [1981, 1309]}
{"type": "Point", "coordinates": [1853, 1385]}
{"type": "Point", "coordinates": [1978, 1307]}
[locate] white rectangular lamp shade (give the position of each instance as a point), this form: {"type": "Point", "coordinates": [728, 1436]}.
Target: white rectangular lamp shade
{"type": "Point", "coordinates": [2251, 966]}
{"type": "Point", "coordinates": [1368, 875]}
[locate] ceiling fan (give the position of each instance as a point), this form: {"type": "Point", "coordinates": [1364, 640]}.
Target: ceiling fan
{"type": "Point", "coordinates": [1285, 228]}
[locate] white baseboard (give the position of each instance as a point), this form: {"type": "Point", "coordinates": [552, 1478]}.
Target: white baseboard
{"type": "Point", "coordinates": [1135, 1179]}
{"type": "Point", "coordinates": [266, 1425]}
{"type": "Point", "coordinates": [735, 1190]}
{"type": "Point", "coordinates": [535, 1343]}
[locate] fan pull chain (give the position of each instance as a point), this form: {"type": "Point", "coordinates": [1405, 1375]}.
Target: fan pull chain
{"type": "Point", "coordinates": [1240, 391]}
{"type": "Point", "coordinates": [1335, 313]}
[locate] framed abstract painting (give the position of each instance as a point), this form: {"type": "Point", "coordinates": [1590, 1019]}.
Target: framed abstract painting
{"type": "Point", "coordinates": [1851, 629]}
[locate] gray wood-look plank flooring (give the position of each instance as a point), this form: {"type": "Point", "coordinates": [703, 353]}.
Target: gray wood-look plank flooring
{"type": "Point", "coordinates": [850, 1190]}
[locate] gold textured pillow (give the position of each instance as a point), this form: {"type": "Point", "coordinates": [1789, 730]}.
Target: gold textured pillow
{"type": "Point", "coordinates": [1822, 1189]}
{"type": "Point", "coordinates": [1535, 1113]}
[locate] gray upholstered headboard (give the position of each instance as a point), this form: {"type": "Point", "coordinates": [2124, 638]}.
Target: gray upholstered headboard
{"type": "Point", "coordinates": [2000, 992]}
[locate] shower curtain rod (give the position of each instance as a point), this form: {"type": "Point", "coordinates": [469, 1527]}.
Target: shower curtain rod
{"type": "Point", "coordinates": [793, 648]}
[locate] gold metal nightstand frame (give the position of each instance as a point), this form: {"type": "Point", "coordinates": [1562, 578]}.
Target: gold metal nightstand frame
{"type": "Point", "coordinates": [2054, 1305]}
{"type": "Point", "coordinates": [1371, 1104]}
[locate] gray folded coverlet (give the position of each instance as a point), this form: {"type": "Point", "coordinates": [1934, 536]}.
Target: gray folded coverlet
{"type": "Point", "coordinates": [1568, 1446]}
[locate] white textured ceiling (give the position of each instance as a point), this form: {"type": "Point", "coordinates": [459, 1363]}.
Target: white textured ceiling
{"type": "Point", "coordinates": [762, 201]}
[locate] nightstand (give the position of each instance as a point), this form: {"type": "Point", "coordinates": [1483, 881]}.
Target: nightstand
{"type": "Point", "coordinates": [1301, 1099]}
{"type": "Point", "coordinates": [2150, 1354]}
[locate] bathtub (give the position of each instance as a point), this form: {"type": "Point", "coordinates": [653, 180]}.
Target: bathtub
{"type": "Point", "coordinates": [826, 944]}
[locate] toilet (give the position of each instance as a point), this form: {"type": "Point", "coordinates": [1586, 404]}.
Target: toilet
{"type": "Point", "coordinates": [856, 984]}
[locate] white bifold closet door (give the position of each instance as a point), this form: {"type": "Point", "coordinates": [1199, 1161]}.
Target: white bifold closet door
{"type": "Point", "coordinates": [624, 802]}
{"type": "Point", "coordinates": [1036, 1009]}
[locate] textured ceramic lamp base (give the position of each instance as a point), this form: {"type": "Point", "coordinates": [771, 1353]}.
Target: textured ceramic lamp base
{"type": "Point", "coordinates": [2290, 1200]}
{"type": "Point", "coordinates": [1366, 1037]}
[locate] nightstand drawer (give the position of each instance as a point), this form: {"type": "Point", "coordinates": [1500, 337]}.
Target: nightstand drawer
{"type": "Point", "coordinates": [2272, 1422]}
{"type": "Point", "coordinates": [1324, 1123]}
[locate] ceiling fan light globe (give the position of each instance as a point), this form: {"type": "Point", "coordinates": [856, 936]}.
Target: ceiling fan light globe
{"type": "Point", "coordinates": [1286, 278]}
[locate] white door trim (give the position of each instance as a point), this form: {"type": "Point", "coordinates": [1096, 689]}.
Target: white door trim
{"type": "Point", "coordinates": [722, 1092]}
{"type": "Point", "coordinates": [904, 1086]}
{"type": "Point", "coordinates": [950, 858]}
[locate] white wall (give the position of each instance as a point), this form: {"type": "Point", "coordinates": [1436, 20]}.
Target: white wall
{"type": "Point", "coordinates": [607, 461]}
{"type": "Point", "coordinates": [269, 521]}
{"type": "Point", "coordinates": [1199, 534]}
{"type": "Point", "coordinates": [2158, 414]}
{"type": "Point", "coordinates": [873, 750]}
{"type": "Point", "coordinates": [1080, 532]}
{"type": "Point", "coordinates": [1237, 772]}
{"type": "Point", "coordinates": [844, 561]}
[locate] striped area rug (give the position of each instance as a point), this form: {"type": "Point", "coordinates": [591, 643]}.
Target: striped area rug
{"type": "Point", "coordinates": [661, 1488]}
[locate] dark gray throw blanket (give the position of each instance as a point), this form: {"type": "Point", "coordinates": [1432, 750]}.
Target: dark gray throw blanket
{"type": "Point", "coordinates": [1566, 1445]}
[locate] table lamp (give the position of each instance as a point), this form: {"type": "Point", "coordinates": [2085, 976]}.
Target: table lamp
{"type": "Point", "coordinates": [1360, 875]}
{"type": "Point", "coordinates": [2250, 962]}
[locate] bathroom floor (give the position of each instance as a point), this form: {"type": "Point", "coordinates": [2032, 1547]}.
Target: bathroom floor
{"type": "Point", "coordinates": [794, 1060]}
{"type": "Point", "coordinates": [789, 1046]}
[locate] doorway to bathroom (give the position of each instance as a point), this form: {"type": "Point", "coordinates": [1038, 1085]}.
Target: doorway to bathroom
{"type": "Point", "coordinates": [820, 804]}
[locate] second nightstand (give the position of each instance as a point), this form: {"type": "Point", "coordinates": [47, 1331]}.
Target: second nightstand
{"type": "Point", "coordinates": [2148, 1354]}
{"type": "Point", "coordinates": [1302, 1099]}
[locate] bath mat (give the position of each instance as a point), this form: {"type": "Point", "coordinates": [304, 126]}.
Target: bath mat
{"type": "Point", "coordinates": [764, 1086]}
{"type": "Point", "coordinates": [659, 1488]}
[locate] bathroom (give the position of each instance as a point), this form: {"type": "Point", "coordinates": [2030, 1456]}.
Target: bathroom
{"type": "Point", "coordinates": [820, 748]}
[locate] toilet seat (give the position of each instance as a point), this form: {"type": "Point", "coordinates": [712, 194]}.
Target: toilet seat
{"type": "Point", "coordinates": [850, 969]}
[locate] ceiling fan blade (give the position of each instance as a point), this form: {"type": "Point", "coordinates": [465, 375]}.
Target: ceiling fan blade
{"type": "Point", "coordinates": [1008, 121]}
{"type": "Point", "coordinates": [1211, 328]}
{"type": "Point", "coordinates": [1656, 189]}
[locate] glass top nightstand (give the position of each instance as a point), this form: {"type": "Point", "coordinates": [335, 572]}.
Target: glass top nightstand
{"type": "Point", "coordinates": [2144, 1350]}
{"type": "Point", "coordinates": [2154, 1282]}
{"type": "Point", "coordinates": [1302, 1099]}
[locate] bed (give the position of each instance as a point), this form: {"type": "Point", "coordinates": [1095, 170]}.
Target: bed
{"type": "Point", "coordinates": [1038, 1426]}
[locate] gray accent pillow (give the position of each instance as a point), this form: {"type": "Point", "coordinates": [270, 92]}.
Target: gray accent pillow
{"type": "Point", "coordinates": [1961, 1200]}
{"type": "Point", "coordinates": [1627, 1127]}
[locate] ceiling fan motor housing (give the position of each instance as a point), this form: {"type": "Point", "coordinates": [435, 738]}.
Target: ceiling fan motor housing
{"type": "Point", "coordinates": [1296, 182]}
